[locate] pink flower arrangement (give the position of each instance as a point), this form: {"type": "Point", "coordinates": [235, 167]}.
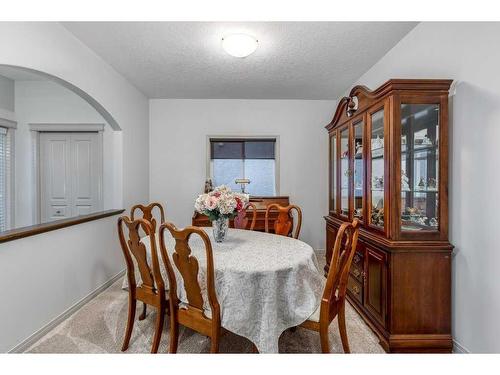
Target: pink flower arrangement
{"type": "Point", "coordinates": [222, 202]}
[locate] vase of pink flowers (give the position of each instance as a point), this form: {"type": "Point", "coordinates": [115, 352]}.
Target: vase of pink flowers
{"type": "Point", "coordinates": [220, 205]}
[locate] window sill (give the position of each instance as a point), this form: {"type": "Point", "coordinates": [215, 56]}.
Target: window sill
{"type": "Point", "coordinates": [15, 234]}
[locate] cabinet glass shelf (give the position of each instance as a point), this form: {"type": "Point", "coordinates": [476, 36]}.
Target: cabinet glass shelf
{"type": "Point", "coordinates": [419, 167]}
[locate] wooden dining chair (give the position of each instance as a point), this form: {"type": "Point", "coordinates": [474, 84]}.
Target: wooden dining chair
{"type": "Point", "coordinates": [283, 225]}
{"type": "Point", "coordinates": [151, 288]}
{"type": "Point", "coordinates": [241, 220]}
{"type": "Point", "coordinates": [148, 214]}
{"type": "Point", "coordinates": [192, 313]}
{"type": "Point", "coordinates": [333, 300]}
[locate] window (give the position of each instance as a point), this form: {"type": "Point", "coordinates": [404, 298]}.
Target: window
{"type": "Point", "coordinates": [252, 159]}
{"type": "Point", "coordinates": [5, 180]}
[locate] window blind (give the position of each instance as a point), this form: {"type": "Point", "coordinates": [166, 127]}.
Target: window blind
{"type": "Point", "coordinates": [3, 178]}
{"type": "Point", "coordinates": [242, 148]}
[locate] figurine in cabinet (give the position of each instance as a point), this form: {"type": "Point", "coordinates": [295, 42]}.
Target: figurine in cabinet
{"type": "Point", "coordinates": [431, 184]}
{"type": "Point", "coordinates": [421, 184]}
{"type": "Point", "coordinates": [405, 182]}
{"type": "Point", "coordinates": [377, 143]}
{"type": "Point", "coordinates": [378, 216]}
{"type": "Point", "coordinates": [427, 141]}
{"type": "Point", "coordinates": [421, 220]}
{"type": "Point", "coordinates": [359, 148]}
{"type": "Point", "coordinates": [378, 182]}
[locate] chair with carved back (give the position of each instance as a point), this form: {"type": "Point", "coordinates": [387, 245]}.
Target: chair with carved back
{"type": "Point", "coordinates": [148, 213]}
{"type": "Point", "coordinates": [333, 299]}
{"type": "Point", "coordinates": [150, 289]}
{"type": "Point", "coordinates": [193, 313]}
{"type": "Point", "coordinates": [241, 220]}
{"type": "Point", "coordinates": [283, 225]}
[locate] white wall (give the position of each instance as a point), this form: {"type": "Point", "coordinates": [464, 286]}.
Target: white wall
{"type": "Point", "coordinates": [178, 151]}
{"type": "Point", "coordinates": [467, 53]}
{"type": "Point", "coordinates": [6, 94]}
{"type": "Point", "coordinates": [49, 102]}
{"type": "Point", "coordinates": [43, 275]}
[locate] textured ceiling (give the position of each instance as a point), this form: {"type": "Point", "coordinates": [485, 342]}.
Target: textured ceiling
{"type": "Point", "coordinates": [294, 60]}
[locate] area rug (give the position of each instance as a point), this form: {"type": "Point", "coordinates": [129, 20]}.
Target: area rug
{"type": "Point", "coordinates": [99, 326]}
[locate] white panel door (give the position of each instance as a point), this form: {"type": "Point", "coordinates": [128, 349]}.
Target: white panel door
{"type": "Point", "coordinates": [55, 176]}
{"type": "Point", "coordinates": [85, 173]}
{"type": "Point", "coordinates": [70, 175]}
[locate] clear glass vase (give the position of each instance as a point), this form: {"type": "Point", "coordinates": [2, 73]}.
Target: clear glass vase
{"type": "Point", "coordinates": [219, 228]}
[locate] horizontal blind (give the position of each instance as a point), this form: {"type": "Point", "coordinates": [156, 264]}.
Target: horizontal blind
{"type": "Point", "coordinates": [3, 178]}
{"type": "Point", "coordinates": [242, 148]}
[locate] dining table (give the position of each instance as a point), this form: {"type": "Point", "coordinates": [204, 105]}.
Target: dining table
{"type": "Point", "coordinates": [265, 283]}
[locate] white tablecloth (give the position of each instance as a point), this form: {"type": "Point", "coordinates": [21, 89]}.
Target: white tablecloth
{"type": "Point", "coordinates": [264, 283]}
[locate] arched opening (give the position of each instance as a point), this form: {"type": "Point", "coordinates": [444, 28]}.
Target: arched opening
{"type": "Point", "coordinates": [60, 151]}
{"type": "Point", "coordinates": [89, 99]}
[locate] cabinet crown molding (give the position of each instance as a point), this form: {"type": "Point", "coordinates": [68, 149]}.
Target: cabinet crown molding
{"type": "Point", "coordinates": [361, 97]}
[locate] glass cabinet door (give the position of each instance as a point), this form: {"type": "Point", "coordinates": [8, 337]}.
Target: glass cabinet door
{"type": "Point", "coordinates": [419, 167]}
{"type": "Point", "coordinates": [377, 163]}
{"type": "Point", "coordinates": [344, 172]}
{"type": "Point", "coordinates": [358, 140]}
{"type": "Point", "coordinates": [333, 171]}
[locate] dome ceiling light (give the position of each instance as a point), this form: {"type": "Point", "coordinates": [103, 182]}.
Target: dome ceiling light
{"type": "Point", "coordinates": [239, 45]}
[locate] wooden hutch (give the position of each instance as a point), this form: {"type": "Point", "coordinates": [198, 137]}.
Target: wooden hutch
{"type": "Point", "coordinates": [389, 168]}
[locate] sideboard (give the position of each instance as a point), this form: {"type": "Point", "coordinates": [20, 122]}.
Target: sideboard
{"type": "Point", "coordinates": [261, 203]}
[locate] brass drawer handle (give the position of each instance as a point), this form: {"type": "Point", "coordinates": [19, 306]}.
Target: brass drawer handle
{"type": "Point", "coordinates": [355, 289]}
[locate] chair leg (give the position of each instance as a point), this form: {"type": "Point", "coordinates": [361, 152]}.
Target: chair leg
{"type": "Point", "coordinates": [323, 336]}
{"type": "Point", "coordinates": [143, 314]}
{"type": "Point", "coordinates": [130, 321]}
{"type": "Point", "coordinates": [342, 329]}
{"type": "Point", "coordinates": [174, 336]}
{"type": "Point", "coordinates": [158, 329]}
{"type": "Point", "coordinates": [214, 343]}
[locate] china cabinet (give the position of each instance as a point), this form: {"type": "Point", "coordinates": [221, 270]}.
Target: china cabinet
{"type": "Point", "coordinates": [388, 166]}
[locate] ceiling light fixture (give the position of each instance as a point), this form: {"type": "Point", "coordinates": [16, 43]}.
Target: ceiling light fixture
{"type": "Point", "coordinates": [239, 45]}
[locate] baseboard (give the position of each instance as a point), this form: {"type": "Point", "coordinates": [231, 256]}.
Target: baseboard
{"type": "Point", "coordinates": [459, 349]}
{"type": "Point", "coordinates": [420, 343]}
{"type": "Point", "coordinates": [25, 344]}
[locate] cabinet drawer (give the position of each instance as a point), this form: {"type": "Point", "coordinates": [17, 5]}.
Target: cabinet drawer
{"type": "Point", "coordinates": [355, 289]}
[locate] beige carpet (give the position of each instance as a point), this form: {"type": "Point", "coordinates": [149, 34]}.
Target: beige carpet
{"type": "Point", "coordinates": [99, 326]}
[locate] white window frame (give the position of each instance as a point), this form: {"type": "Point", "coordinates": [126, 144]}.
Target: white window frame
{"type": "Point", "coordinates": [10, 125]}
{"type": "Point", "coordinates": [276, 138]}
